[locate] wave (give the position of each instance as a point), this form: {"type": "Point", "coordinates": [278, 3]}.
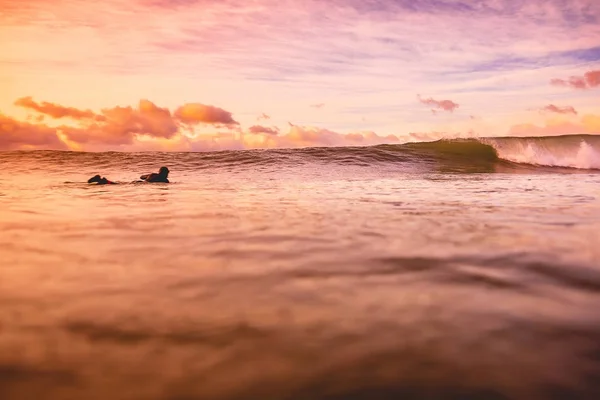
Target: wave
{"type": "Point", "coordinates": [500, 154]}
{"type": "Point", "coordinates": [581, 152]}
{"type": "Point", "coordinates": [470, 155]}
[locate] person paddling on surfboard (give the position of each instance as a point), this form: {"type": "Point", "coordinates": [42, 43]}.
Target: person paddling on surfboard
{"type": "Point", "coordinates": [100, 180]}
{"type": "Point", "coordinates": [162, 175]}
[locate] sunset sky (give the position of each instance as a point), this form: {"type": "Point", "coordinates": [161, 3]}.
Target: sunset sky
{"type": "Point", "coordinates": [202, 74]}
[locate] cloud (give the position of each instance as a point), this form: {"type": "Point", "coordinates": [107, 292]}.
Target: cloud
{"type": "Point", "coordinates": [120, 125]}
{"type": "Point", "coordinates": [518, 48]}
{"type": "Point", "coordinates": [319, 105]}
{"type": "Point", "coordinates": [297, 137]}
{"type": "Point", "coordinates": [196, 113]}
{"type": "Point", "coordinates": [559, 110]}
{"type": "Point", "coordinates": [15, 135]}
{"type": "Point", "coordinates": [55, 110]}
{"type": "Point", "coordinates": [150, 127]}
{"type": "Point", "coordinates": [302, 136]}
{"type": "Point", "coordinates": [588, 124]}
{"type": "Point", "coordinates": [262, 117]}
{"type": "Point", "coordinates": [263, 129]}
{"type": "Point", "coordinates": [116, 125]}
{"type": "Point", "coordinates": [446, 105]}
{"type": "Point", "coordinates": [590, 79]}
{"type": "Point", "coordinates": [437, 135]}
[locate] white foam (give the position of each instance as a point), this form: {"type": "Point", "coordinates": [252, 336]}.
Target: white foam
{"type": "Point", "coordinates": [584, 156]}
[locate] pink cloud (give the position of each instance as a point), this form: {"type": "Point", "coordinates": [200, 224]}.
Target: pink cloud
{"type": "Point", "coordinates": [445, 105]}
{"type": "Point", "coordinates": [296, 137]}
{"type": "Point", "coordinates": [263, 129]}
{"type": "Point", "coordinates": [559, 110]}
{"type": "Point", "coordinates": [319, 105]}
{"type": "Point", "coordinates": [302, 136]}
{"type": "Point", "coordinates": [590, 79]}
{"type": "Point", "coordinates": [16, 135]}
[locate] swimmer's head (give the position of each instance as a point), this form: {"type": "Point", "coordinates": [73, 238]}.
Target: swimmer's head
{"type": "Point", "coordinates": [163, 171]}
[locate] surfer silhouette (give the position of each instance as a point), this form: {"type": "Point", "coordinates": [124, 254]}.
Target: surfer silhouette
{"type": "Point", "coordinates": [160, 177]}
{"type": "Point", "coordinates": [100, 180]}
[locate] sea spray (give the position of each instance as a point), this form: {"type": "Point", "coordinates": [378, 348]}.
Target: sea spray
{"type": "Point", "coordinates": [581, 152]}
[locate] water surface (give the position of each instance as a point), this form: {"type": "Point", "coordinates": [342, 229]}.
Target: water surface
{"type": "Point", "coordinates": [448, 270]}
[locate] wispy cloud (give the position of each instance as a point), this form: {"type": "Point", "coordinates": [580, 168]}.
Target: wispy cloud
{"type": "Point", "coordinates": [263, 117]}
{"type": "Point", "coordinates": [489, 56]}
{"type": "Point", "coordinates": [559, 110]}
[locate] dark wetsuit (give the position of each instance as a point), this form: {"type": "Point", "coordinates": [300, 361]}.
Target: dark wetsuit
{"type": "Point", "coordinates": [161, 177]}
{"type": "Point", "coordinates": [154, 178]}
{"type": "Point", "coordinates": [163, 172]}
{"type": "Point", "coordinates": [100, 181]}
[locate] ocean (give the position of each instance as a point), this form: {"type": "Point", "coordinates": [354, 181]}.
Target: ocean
{"type": "Point", "coordinates": [456, 269]}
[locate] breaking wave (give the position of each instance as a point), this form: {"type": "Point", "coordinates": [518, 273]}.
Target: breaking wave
{"type": "Point", "coordinates": [582, 152]}
{"type": "Point", "coordinates": [500, 154]}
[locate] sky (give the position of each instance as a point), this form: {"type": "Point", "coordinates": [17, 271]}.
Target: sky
{"type": "Point", "coordinates": [196, 75]}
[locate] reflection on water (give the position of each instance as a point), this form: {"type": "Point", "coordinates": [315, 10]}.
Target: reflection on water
{"type": "Point", "coordinates": [297, 282]}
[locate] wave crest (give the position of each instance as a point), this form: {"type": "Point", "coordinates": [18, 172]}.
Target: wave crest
{"type": "Point", "coordinates": [564, 151]}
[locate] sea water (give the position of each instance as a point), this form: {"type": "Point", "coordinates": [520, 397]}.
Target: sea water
{"type": "Point", "coordinates": [446, 270]}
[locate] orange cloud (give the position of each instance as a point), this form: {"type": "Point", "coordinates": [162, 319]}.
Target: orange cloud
{"type": "Point", "coordinates": [589, 124]}
{"type": "Point", "coordinates": [589, 80]}
{"type": "Point", "coordinates": [446, 105]}
{"type": "Point", "coordinates": [150, 127]}
{"type": "Point", "coordinates": [55, 110]}
{"type": "Point", "coordinates": [263, 129]}
{"type": "Point", "coordinates": [120, 125]}
{"type": "Point", "coordinates": [147, 119]}
{"type": "Point", "coordinates": [16, 135]}
{"type": "Point", "coordinates": [559, 110]}
{"type": "Point", "coordinates": [196, 113]}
